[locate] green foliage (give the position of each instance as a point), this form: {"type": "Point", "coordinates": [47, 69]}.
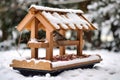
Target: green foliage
{"type": "Point", "coordinates": [106, 14]}
{"type": "Point", "coordinates": [10, 14]}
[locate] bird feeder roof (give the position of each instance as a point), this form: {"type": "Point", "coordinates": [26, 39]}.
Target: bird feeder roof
{"type": "Point", "coordinates": [55, 18]}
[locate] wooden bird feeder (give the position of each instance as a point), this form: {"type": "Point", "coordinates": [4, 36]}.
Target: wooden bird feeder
{"type": "Point", "coordinates": [50, 20]}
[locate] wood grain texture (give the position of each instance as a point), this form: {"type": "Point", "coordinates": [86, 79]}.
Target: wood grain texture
{"type": "Point", "coordinates": [62, 48]}
{"type": "Point", "coordinates": [48, 65]}
{"type": "Point", "coordinates": [44, 22]}
{"type": "Point", "coordinates": [77, 64]}
{"type": "Point", "coordinates": [31, 65]}
{"type": "Point", "coordinates": [55, 44]}
{"type": "Point", "coordinates": [49, 50]}
{"type": "Point", "coordinates": [91, 27]}
{"type": "Point", "coordinates": [34, 35]}
{"type": "Point", "coordinates": [38, 45]}
{"type": "Point", "coordinates": [25, 21]}
{"type": "Point", "coordinates": [80, 45]}
{"type": "Point", "coordinates": [66, 43]}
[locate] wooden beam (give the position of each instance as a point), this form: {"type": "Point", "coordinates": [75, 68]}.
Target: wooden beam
{"type": "Point", "coordinates": [66, 43]}
{"type": "Point", "coordinates": [34, 34]}
{"type": "Point", "coordinates": [45, 22]}
{"type": "Point", "coordinates": [38, 45]}
{"type": "Point", "coordinates": [78, 64]}
{"type": "Point", "coordinates": [34, 53]}
{"type": "Point", "coordinates": [40, 26]}
{"type": "Point", "coordinates": [62, 48]}
{"type": "Point", "coordinates": [49, 50]}
{"type": "Point", "coordinates": [33, 10]}
{"type": "Point", "coordinates": [91, 26]}
{"type": "Point", "coordinates": [25, 21]}
{"type": "Point", "coordinates": [80, 45]}
{"type": "Point", "coordinates": [28, 26]}
{"type": "Point", "coordinates": [40, 65]}
{"type": "Point", "coordinates": [34, 28]}
{"type": "Point", "coordinates": [55, 44]}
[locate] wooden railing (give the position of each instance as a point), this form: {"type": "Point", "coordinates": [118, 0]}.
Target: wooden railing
{"type": "Point", "coordinates": [56, 43]}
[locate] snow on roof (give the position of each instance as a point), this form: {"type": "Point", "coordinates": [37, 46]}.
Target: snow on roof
{"type": "Point", "coordinates": [57, 18]}
{"type": "Point", "coordinates": [71, 20]}
{"type": "Point", "coordinates": [55, 9]}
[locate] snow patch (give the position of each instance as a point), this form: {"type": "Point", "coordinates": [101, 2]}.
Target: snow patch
{"type": "Point", "coordinates": [55, 9]}
{"type": "Point", "coordinates": [37, 61]}
{"type": "Point", "coordinates": [33, 40]}
{"type": "Point", "coordinates": [1, 33]}
{"type": "Point", "coordinates": [72, 19]}
{"type": "Point", "coordinates": [108, 69]}
{"type": "Point", "coordinates": [78, 60]}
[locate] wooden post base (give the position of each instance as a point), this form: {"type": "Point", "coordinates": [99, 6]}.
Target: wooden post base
{"type": "Point", "coordinates": [32, 72]}
{"type": "Point", "coordinates": [38, 67]}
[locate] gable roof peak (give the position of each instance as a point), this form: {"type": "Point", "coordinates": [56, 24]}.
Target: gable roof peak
{"type": "Point", "coordinates": [55, 9]}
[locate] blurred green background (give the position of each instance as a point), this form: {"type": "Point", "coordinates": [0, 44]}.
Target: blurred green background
{"type": "Point", "coordinates": [104, 14]}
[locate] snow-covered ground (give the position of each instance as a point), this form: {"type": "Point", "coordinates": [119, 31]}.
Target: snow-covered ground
{"type": "Point", "coordinates": [108, 69]}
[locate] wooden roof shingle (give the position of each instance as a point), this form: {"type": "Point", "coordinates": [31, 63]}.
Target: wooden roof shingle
{"type": "Point", "coordinates": [56, 19]}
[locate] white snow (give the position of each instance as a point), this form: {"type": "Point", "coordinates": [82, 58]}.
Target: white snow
{"type": "Point", "coordinates": [118, 32]}
{"type": "Point", "coordinates": [33, 40]}
{"type": "Point", "coordinates": [78, 60]}
{"type": "Point", "coordinates": [93, 6]}
{"type": "Point", "coordinates": [108, 69]}
{"type": "Point", "coordinates": [0, 33]}
{"type": "Point", "coordinates": [71, 19]}
{"type": "Point", "coordinates": [77, 20]}
{"type": "Point", "coordinates": [37, 61]}
{"type": "Point", "coordinates": [53, 20]}
{"type": "Point", "coordinates": [55, 9]}
{"type": "Point", "coordinates": [107, 35]}
{"type": "Point", "coordinates": [63, 63]}
{"type": "Point", "coordinates": [14, 34]}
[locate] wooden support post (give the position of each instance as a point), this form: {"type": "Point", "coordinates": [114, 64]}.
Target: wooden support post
{"type": "Point", "coordinates": [34, 35]}
{"type": "Point", "coordinates": [80, 45]}
{"type": "Point", "coordinates": [34, 53]}
{"type": "Point", "coordinates": [49, 50]}
{"type": "Point", "coordinates": [25, 21]}
{"type": "Point", "coordinates": [62, 48]}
